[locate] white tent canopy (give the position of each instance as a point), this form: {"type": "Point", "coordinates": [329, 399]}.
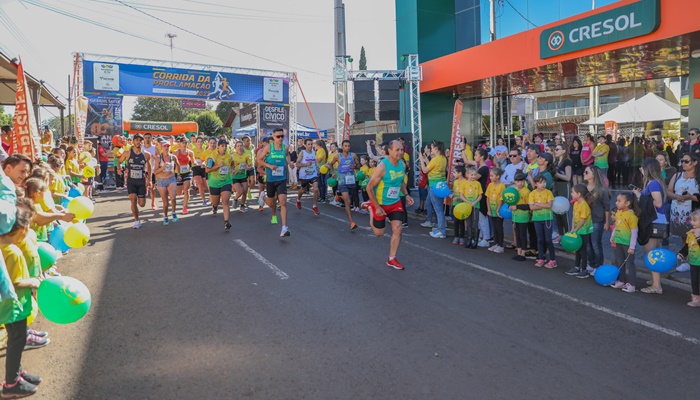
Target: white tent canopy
{"type": "Point", "coordinates": [648, 108]}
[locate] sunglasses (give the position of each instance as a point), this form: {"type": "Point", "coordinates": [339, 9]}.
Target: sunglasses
{"type": "Point", "coordinates": [686, 161]}
{"type": "Point", "coordinates": [279, 137]}
{"type": "Point", "coordinates": [513, 155]}
{"type": "Point", "coordinates": [692, 134]}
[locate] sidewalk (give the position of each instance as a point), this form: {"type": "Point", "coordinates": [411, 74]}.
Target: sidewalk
{"type": "Point", "coordinates": [675, 244]}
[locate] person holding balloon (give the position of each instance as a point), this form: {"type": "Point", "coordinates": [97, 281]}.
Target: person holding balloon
{"type": "Point", "coordinates": [458, 198]}
{"type": "Point", "coordinates": [694, 258]}
{"type": "Point", "coordinates": [34, 191]}
{"type": "Point", "coordinates": [472, 193]}
{"type": "Point", "coordinates": [521, 214]}
{"type": "Point", "coordinates": [436, 170]}
{"type": "Point", "coordinates": [624, 239]}
{"type": "Point", "coordinates": [581, 225]}
{"type": "Point", "coordinates": [494, 194]}
{"type": "Point", "coordinates": [72, 166]}
{"type": "Point", "coordinates": [599, 200]}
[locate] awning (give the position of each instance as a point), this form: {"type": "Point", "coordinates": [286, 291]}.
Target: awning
{"type": "Point", "coordinates": [648, 108]}
{"type": "Point", "coordinates": [8, 83]}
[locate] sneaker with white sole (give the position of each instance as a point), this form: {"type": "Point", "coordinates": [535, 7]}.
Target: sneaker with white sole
{"type": "Point", "coordinates": [492, 248]}
{"type": "Point", "coordinates": [427, 224]}
{"type": "Point", "coordinates": [683, 267]}
{"type": "Point", "coordinates": [137, 224]}
{"type": "Point", "coordinates": [628, 288]}
{"type": "Point", "coordinates": [617, 285]}
{"type": "Point", "coordinates": [285, 232]}
{"type": "Point", "coordinates": [551, 264]}
{"type": "Point", "coordinates": [483, 243]}
{"type": "Point", "coordinates": [35, 342]}
{"type": "Point", "coordinates": [499, 250]}
{"type": "Point", "coordinates": [437, 234]}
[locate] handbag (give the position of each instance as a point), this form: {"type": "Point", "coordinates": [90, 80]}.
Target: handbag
{"type": "Point", "coordinates": [660, 228]}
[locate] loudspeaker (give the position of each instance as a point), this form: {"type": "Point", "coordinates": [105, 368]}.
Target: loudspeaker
{"type": "Point", "coordinates": [361, 106]}
{"type": "Point", "coordinates": [364, 85]}
{"type": "Point", "coordinates": [361, 116]}
{"type": "Point", "coordinates": [389, 115]}
{"type": "Point", "coordinates": [364, 98]}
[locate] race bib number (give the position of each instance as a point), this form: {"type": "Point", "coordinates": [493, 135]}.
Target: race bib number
{"type": "Point", "coordinates": [169, 167]}
{"type": "Point", "coordinates": [278, 172]}
{"type": "Point", "coordinates": [309, 171]}
{"type": "Point", "coordinates": [393, 193]}
{"type": "Point", "coordinates": [349, 179]}
{"type": "Point", "coordinates": [136, 174]}
{"type": "Point", "coordinates": [223, 170]}
{"type": "Point", "coordinates": [184, 169]}
{"type": "Point", "coordinates": [198, 162]}
{"type": "Point", "coordinates": [242, 165]}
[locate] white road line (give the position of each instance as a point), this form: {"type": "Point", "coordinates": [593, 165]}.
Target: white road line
{"type": "Point", "coordinates": [606, 310]}
{"type": "Point", "coordinates": [280, 274]}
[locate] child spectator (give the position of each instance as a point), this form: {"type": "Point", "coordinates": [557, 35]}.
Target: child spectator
{"type": "Point", "coordinates": [540, 201]}
{"type": "Point", "coordinates": [624, 238]}
{"type": "Point", "coordinates": [521, 215]}
{"type": "Point", "coordinates": [458, 198]}
{"type": "Point", "coordinates": [472, 192]}
{"type": "Point", "coordinates": [581, 224]}
{"type": "Point", "coordinates": [494, 194]}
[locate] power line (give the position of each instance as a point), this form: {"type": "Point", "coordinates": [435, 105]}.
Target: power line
{"type": "Point", "coordinates": [519, 13]}
{"type": "Point", "coordinates": [253, 9]}
{"type": "Point", "coordinates": [217, 42]}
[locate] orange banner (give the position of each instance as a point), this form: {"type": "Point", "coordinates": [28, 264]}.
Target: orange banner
{"type": "Point", "coordinates": [456, 141]}
{"type": "Point", "coordinates": [611, 128]}
{"type": "Point", "coordinates": [81, 112]}
{"type": "Point", "coordinates": [26, 134]}
{"type": "Point", "coordinates": [346, 127]}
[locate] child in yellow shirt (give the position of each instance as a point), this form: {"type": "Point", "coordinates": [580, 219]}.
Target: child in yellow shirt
{"type": "Point", "coordinates": [494, 194]}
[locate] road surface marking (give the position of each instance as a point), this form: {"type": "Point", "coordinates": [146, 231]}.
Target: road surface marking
{"type": "Point", "coordinates": [606, 310]}
{"type": "Point", "coordinates": [280, 274]}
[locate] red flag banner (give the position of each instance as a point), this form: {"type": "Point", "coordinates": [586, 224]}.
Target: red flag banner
{"type": "Point", "coordinates": [570, 130]}
{"type": "Point", "coordinates": [346, 127]}
{"type": "Point", "coordinates": [26, 134]}
{"type": "Point", "coordinates": [611, 128]}
{"type": "Point", "coordinates": [456, 141]}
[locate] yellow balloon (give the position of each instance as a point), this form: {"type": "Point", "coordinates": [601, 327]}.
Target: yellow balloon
{"type": "Point", "coordinates": [462, 211]}
{"type": "Point", "coordinates": [323, 170]}
{"type": "Point", "coordinates": [406, 157]}
{"type": "Point", "coordinates": [82, 207]}
{"type": "Point", "coordinates": [77, 235]}
{"type": "Point", "coordinates": [88, 172]}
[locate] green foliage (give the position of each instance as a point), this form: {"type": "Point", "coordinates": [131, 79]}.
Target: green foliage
{"type": "Point", "coordinates": [54, 124]}
{"type": "Point", "coordinates": [157, 109]}
{"type": "Point", "coordinates": [209, 123]}
{"type": "Point", "coordinates": [363, 59]}
{"type": "Point", "coordinates": [5, 119]}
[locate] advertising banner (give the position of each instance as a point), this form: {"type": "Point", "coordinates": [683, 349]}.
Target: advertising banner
{"type": "Point", "coordinates": [153, 81]}
{"type": "Point", "coordinates": [456, 141]}
{"type": "Point", "coordinates": [249, 114]}
{"type": "Point", "coordinates": [104, 115]}
{"type": "Point", "coordinates": [273, 117]}
{"type": "Point", "coordinates": [81, 111]}
{"type": "Point", "coordinates": [346, 127]}
{"type": "Point", "coordinates": [611, 128]}
{"type": "Point", "coordinates": [26, 134]}
{"type": "Point", "coordinates": [199, 104]}
{"type": "Point", "coordinates": [570, 130]}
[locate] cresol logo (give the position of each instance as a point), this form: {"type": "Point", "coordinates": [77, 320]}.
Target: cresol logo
{"type": "Point", "coordinates": [556, 40]}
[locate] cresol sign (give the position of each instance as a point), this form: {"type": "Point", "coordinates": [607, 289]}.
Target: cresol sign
{"type": "Point", "coordinates": [637, 19]}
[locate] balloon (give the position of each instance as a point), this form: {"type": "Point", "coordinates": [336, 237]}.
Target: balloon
{"type": "Point", "coordinates": [82, 207]}
{"type": "Point", "coordinates": [571, 242]}
{"type": "Point", "coordinates": [505, 212]}
{"type": "Point", "coordinates": [65, 201]}
{"type": "Point", "coordinates": [332, 182]}
{"type": "Point", "coordinates": [47, 256]}
{"type": "Point", "coordinates": [56, 238]}
{"type": "Point", "coordinates": [75, 192]}
{"type": "Point", "coordinates": [88, 171]}
{"type": "Point", "coordinates": [44, 158]}
{"type": "Point", "coordinates": [606, 274]}
{"type": "Point", "coordinates": [323, 170]}
{"type": "Point", "coordinates": [660, 260]}
{"type": "Point", "coordinates": [463, 211]}
{"type": "Point", "coordinates": [360, 176]}
{"type": "Point", "coordinates": [406, 157]}
{"type": "Point", "coordinates": [77, 235]}
{"type": "Point", "coordinates": [81, 187]}
{"type": "Point", "coordinates": [441, 190]}
{"type": "Point", "coordinates": [63, 300]}
{"type": "Point", "coordinates": [511, 196]}
{"type": "Point", "coordinates": [560, 205]}
{"type": "Point", "coordinates": [364, 183]}
{"type": "Point", "coordinates": [92, 163]}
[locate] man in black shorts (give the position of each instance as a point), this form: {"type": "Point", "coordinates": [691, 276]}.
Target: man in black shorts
{"type": "Point", "coordinates": [308, 173]}
{"type": "Point", "coordinates": [138, 163]}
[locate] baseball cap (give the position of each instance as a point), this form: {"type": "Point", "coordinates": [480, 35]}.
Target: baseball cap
{"type": "Point", "coordinates": [138, 136]}
{"type": "Point", "coordinates": [222, 141]}
{"type": "Point", "coordinates": [547, 157]}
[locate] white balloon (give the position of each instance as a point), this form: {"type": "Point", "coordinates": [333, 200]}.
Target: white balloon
{"type": "Point", "coordinates": [560, 205]}
{"type": "Point", "coordinates": [92, 163]}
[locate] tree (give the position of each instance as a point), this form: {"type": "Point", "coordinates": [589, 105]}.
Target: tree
{"type": "Point", "coordinates": [209, 123]}
{"type": "Point", "coordinates": [157, 109]}
{"type": "Point", "coordinates": [223, 109]}
{"type": "Point", "coordinates": [363, 59]}
{"type": "Point", "coordinates": [54, 124]}
{"type": "Point", "coordinates": [5, 119]}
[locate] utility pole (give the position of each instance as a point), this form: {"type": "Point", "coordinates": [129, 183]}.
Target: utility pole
{"type": "Point", "coordinates": [70, 119]}
{"type": "Point", "coordinates": [492, 100]}
{"type": "Point", "coordinates": [340, 74]}
{"type": "Point", "coordinates": [171, 36]}
{"type": "Point", "coordinates": [593, 98]}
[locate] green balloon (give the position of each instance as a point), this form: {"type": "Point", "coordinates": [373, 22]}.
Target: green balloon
{"type": "Point", "coordinates": [571, 242]}
{"type": "Point", "coordinates": [364, 183]}
{"type": "Point", "coordinates": [360, 176]}
{"type": "Point", "coordinates": [332, 182]}
{"type": "Point", "coordinates": [47, 255]}
{"type": "Point", "coordinates": [511, 196]}
{"type": "Point", "coordinates": [63, 300]}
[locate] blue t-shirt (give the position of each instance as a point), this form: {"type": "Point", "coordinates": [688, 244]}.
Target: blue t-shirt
{"type": "Point", "coordinates": [655, 186]}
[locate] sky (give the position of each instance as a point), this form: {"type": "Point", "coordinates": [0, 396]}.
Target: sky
{"type": "Point", "coordinates": [298, 34]}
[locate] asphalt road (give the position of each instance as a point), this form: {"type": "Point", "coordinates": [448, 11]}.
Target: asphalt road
{"type": "Point", "coordinates": [188, 311]}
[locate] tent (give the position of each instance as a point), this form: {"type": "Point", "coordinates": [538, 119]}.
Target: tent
{"type": "Point", "coordinates": [302, 132]}
{"type": "Point", "coordinates": [648, 108]}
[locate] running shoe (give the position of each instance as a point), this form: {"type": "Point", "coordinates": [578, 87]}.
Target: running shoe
{"type": "Point", "coordinates": [21, 388]}
{"type": "Point", "coordinates": [175, 218]}
{"type": "Point", "coordinates": [499, 250]}
{"type": "Point", "coordinates": [437, 234]}
{"type": "Point", "coordinates": [315, 210]}
{"type": "Point", "coordinates": [165, 221]}
{"type": "Point", "coordinates": [153, 206]}
{"type": "Point", "coordinates": [137, 224]}
{"type": "Point", "coordinates": [204, 203]}
{"type": "Point", "coordinates": [37, 333]}
{"type": "Point", "coordinates": [483, 243]}
{"type": "Point", "coordinates": [227, 226]}
{"type": "Point", "coordinates": [353, 226]}
{"type": "Point", "coordinates": [539, 263]}
{"type": "Point", "coordinates": [573, 271]}
{"type": "Point", "coordinates": [285, 232]}
{"type": "Point", "coordinates": [618, 285]}
{"type": "Point", "coordinates": [33, 379]}
{"type": "Point", "coordinates": [583, 274]}
{"type": "Point", "coordinates": [298, 204]}
{"type": "Point", "coordinates": [394, 263]}
{"type": "Point", "coordinates": [35, 342]}
{"type": "Point", "coordinates": [404, 225]}
{"type": "Point", "coordinates": [243, 207]}
{"type": "Point", "coordinates": [214, 210]}
{"type": "Point", "coordinates": [628, 288]}
{"type": "Point", "coordinates": [273, 221]}
{"type": "Point", "coordinates": [551, 264]}
{"type": "Point", "coordinates": [455, 241]}
{"type": "Point", "coordinates": [365, 205]}
{"type": "Point", "coordinates": [184, 210]}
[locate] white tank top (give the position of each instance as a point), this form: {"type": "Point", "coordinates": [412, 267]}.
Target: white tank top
{"type": "Point", "coordinates": [152, 151]}
{"type": "Point", "coordinates": [309, 171]}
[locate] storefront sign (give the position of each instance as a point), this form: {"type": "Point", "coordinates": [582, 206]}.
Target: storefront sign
{"type": "Point", "coordinates": [249, 114]}
{"type": "Point", "coordinates": [636, 19]}
{"type": "Point", "coordinates": [151, 126]}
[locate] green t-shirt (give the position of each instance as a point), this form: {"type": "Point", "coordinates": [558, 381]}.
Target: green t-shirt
{"type": "Point", "coordinates": [537, 197]}
{"type": "Point", "coordinates": [693, 249]}
{"type": "Point", "coordinates": [222, 176]}
{"type": "Point", "coordinates": [522, 216]}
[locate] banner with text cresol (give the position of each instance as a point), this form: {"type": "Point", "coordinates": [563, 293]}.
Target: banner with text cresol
{"type": "Point", "coordinates": [273, 117]}
{"type": "Point", "coordinates": [155, 81]}
{"type": "Point", "coordinates": [456, 141]}
{"type": "Point", "coordinates": [26, 134]}
{"type": "Point", "coordinates": [104, 115]}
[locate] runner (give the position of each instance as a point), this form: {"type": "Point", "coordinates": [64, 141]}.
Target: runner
{"type": "Point", "coordinates": [388, 182]}
{"type": "Point", "coordinates": [241, 162]}
{"type": "Point", "coordinates": [198, 171]}
{"type": "Point", "coordinates": [248, 148]}
{"type": "Point", "coordinates": [138, 164]}
{"type": "Point", "coordinates": [166, 165]}
{"type": "Point", "coordinates": [150, 148]}
{"type": "Point", "coordinates": [346, 164]}
{"type": "Point", "coordinates": [275, 158]}
{"type": "Point", "coordinates": [308, 173]}
{"type": "Point", "coordinates": [185, 159]}
{"type": "Point", "coordinates": [220, 182]}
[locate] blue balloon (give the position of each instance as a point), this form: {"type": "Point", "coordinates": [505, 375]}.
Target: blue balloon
{"type": "Point", "coordinates": [606, 274]}
{"type": "Point", "coordinates": [660, 260]}
{"type": "Point", "coordinates": [74, 192]}
{"type": "Point", "coordinates": [441, 190]}
{"type": "Point", "coordinates": [56, 238]}
{"type": "Point", "coordinates": [506, 212]}
{"type": "Point", "coordinates": [65, 201]}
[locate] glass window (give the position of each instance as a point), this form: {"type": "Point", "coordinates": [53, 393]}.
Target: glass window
{"type": "Point", "coordinates": [610, 99]}
{"type": "Point", "coordinates": [582, 102]}
{"type": "Point", "coordinates": [569, 103]}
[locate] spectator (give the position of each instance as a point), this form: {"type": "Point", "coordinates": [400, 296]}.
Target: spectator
{"type": "Point", "coordinates": [684, 190]}
{"type": "Point", "coordinates": [436, 170]}
{"type": "Point", "coordinates": [562, 179]}
{"type": "Point", "coordinates": [17, 167]}
{"type": "Point", "coordinates": [576, 165]}
{"type": "Point", "coordinates": [587, 150]}
{"type": "Point", "coordinates": [655, 190]}
{"type": "Point", "coordinates": [599, 200]}
{"type": "Point", "coordinates": [692, 145]}
{"type": "Point", "coordinates": [621, 163]}
{"type": "Point", "coordinates": [516, 164]}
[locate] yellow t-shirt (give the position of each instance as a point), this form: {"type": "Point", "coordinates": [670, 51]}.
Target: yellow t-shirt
{"type": "Point", "coordinates": [57, 187]}
{"type": "Point", "coordinates": [17, 271]}
{"type": "Point", "coordinates": [602, 161]}
{"type": "Point", "coordinates": [437, 173]}
{"type": "Point", "coordinates": [331, 156]}
{"type": "Point", "coordinates": [693, 249]}
{"type": "Point", "coordinates": [472, 190]}
{"type": "Point", "coordinates": [30, 251]}
{"type": "Point", "coordinates": [365, 170]}
{"type": "Point", "coordinates": [543, 197]}
{"type": "Point", "coordinates": [320, 156]}
{"type": "Point", "coordinates": [198, 156]}
{"type": "Point", "coordinates": [457, 190]}
{"type": "Point", "coordinates": [494, 193]}
{"type": "Point", "coordinates": [240, 163]}
{"type": "Point", "coordinates": [583, 211]}
{"type": "Point", "coordinates": [625, 222]}
{"type": "Point", "coordinates": [73, 167]}
{"type": "Point", "coordinates": [522, 216]}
